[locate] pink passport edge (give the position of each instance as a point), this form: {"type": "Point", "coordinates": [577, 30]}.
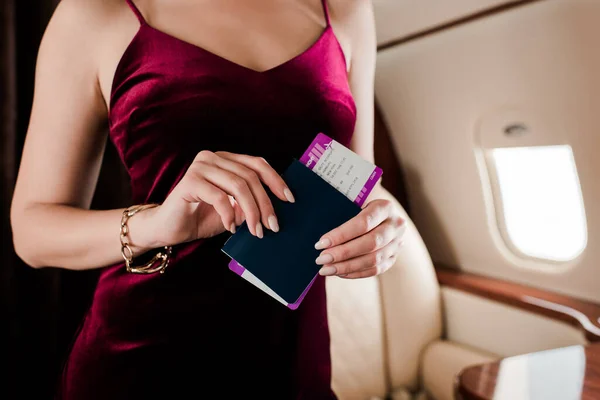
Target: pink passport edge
{"type": "Point", "coordinates": [236, 267]}
{"type": "Point", "coordinates": [239, 270]}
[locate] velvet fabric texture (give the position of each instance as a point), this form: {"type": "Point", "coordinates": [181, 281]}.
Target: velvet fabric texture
{"type": "Point", "coordinates": [199, 329]}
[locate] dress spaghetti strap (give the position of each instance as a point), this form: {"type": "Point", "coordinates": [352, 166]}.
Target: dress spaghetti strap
{"type": "Point", "coordinates": [136, 11]}
{"type": "Point", "coordinates": [326, 12]}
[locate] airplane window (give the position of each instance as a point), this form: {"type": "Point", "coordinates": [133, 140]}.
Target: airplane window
{"type": "Point", "coordinates": [542, 206]}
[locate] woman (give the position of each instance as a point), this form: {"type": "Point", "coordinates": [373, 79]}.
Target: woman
{"type": "Point", "coordinates": [205, 102]}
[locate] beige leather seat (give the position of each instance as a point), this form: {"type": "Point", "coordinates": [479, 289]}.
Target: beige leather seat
{"type": "Point", "coordinates": [386, 332]}
{"type": "Point", "coordinates": [401, 334]}
{"type": "Point", "coordinates": [389, 334]}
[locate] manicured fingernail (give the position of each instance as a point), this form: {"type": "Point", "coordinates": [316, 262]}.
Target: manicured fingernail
{"type": "Point", "coordinates": [288, 195]}
{"type": "Point", "coordinates": [324, 259]}
{"type": "Point", "coordinates": [259, 230]}
{"type": "Point", "coordinates": [327, 271]}
{"type": "Point", "coordinates": [323, 244]}
{"type": "Point", "coordinates": [273, 223]}
{"type": "Point", "coordinates": [232, 228]}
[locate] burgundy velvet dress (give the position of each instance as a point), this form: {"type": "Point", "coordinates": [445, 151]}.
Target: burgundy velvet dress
{"type": "Point", "coordinates": [199, 330]}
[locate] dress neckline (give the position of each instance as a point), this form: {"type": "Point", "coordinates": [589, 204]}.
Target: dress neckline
{"type": "Point", "coordinates": [327, 31]}
{"type": "Point", "coordinates": [291, 60]}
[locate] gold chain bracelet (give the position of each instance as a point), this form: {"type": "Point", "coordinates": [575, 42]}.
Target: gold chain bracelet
{"type": "Point", "coordinates": [158, 263]}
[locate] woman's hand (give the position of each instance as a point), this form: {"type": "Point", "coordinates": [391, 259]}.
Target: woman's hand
{"type": "Point", "coordinates": [366, 245]}
{"type": "Point", "coordinates": [218, 192]}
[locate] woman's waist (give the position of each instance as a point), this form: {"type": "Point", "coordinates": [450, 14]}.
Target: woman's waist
{"type": "Point", "coordinates": [196, 277]}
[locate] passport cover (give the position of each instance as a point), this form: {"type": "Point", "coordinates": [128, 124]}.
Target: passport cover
{"type": "Point", "coordinates": [343, 169]}
{"type": "Point", "coordinates": [285, 261]}
{"type": "Point", "coordinates": [247, 275]}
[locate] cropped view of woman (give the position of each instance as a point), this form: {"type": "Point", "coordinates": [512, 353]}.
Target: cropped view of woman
{"type": "Point", "coordinates": [206, 103]}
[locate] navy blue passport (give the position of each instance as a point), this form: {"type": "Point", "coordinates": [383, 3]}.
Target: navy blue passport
{"type": "Point", "coordinates": [285, 261]}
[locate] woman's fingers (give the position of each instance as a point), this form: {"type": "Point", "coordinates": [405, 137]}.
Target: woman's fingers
{"type": "Point", "coordinates": [247, 172]}
{"type": "Point", "coordinates": [368, 243]}
{"type": "Point", "coordinates": [235, 186]}
{"type": "Point", "coordinates": [201, 190]}
{"type": "Point", "coordinates": [376, 270]}
{"type": "Point", "coordinates": [265, 172]}
{"type": "Point", "coordinates": [267, 213]}
{"type": "Point", "coordinates": [240, 179]}
{"type": "Point", "coordinates": [371, 260]}
{"type": "Point", "coordinates": [371, 216]}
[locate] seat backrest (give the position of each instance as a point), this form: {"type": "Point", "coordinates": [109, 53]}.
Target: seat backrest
{"type": "Point", "coordinates": [412, 309]}
{"type": "Point", "coordinates": [357, 338]}
{"type": "Point", "coordinates": [379, 326]}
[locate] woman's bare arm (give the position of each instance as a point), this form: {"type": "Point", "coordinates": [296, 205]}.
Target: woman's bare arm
{"type": "Point", "coordinates": [51, 221]}
{"type": "Point", "coordinates": [370, 243]}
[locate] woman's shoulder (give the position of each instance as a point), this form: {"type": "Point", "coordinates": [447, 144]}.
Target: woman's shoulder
{"type": "Point", "coordinates": [354, 23]}
{"type": "Point", "coordinates": [352, 17]}
{"type": "Point", "coordinates": [87, 19]}
{"type": "Point", "coordinates": [83, 29]}
{"type": "Point", "coordinates": [82, 36]}
{"type": "Point", "coordinates": [89, 11]}
{"type": "Point", "coordinates": [348, 10]}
